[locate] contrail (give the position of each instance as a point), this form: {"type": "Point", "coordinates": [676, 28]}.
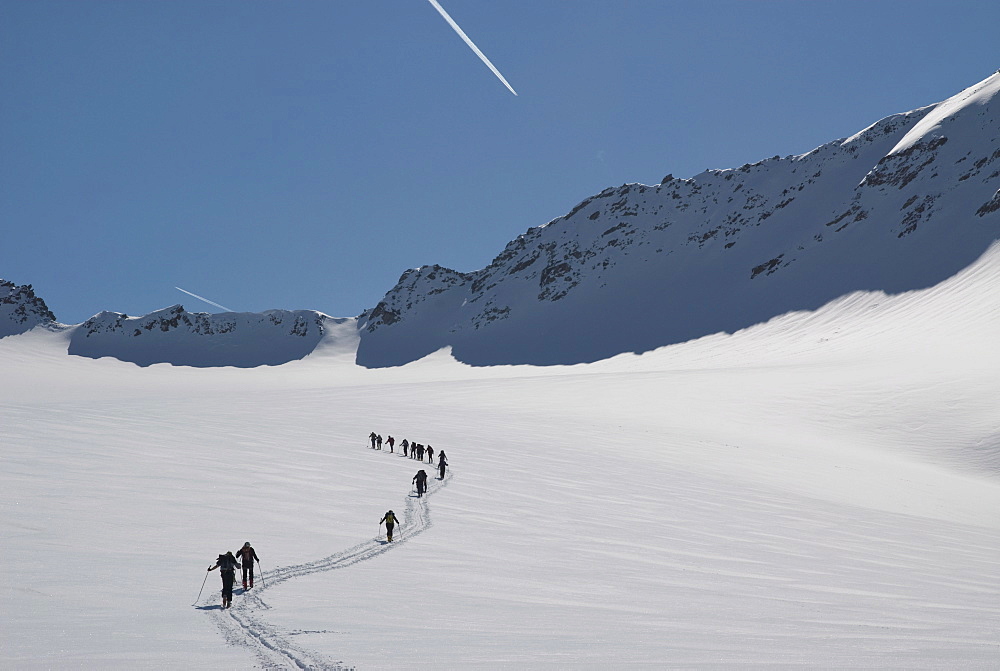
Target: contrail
{"type": "Point", "coordinates": [461, 33]}
{"type": "Point", "coordinates": [204, 299]}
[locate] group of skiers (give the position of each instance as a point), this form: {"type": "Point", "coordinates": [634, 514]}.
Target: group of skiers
{"type": "Point", "coordinates": [244, 558]}
{"type": "Point", "coordinates": [227, 565]}
{"type": "Point", "coordinates": [416, 451]}
{"type": "Point", "coordinates": [411, 450]}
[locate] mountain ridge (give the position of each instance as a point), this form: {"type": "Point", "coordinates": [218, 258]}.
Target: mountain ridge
{"type": "Point", "coordinates": [718, 251]}
{"type": "Point", "coordinates": [903, 204]}
{"type": "Point", "coordinates": [174, 335]}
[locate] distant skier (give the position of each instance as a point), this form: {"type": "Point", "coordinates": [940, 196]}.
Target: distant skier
{"type": "Point", "coordinates": [371, 437]}
{"type": "Point", "coordinates": [421, 481]}
{"type": "Point", "coordinates": [442, 464]}
{"type": "Point", "coordinates": [430, 454]}
{"type": "Point", "coordinates": [405, 444]}
{"type": "Point", "coordinates": [378, 442]}
{"type": "Point", "coordinates": [420, 452]}
{"type": "Point", "coordinates": [227, 566]}
{"type": "Point", "coordinates": [391, 441]}
{"type": "Point", "coordinates": [248, 556]}
{"type": "Point", "coordinates": [390, 521]}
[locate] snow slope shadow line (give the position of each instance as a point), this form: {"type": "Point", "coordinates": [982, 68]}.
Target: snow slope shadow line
{"type": "Point", "coordinates": [244, 625]}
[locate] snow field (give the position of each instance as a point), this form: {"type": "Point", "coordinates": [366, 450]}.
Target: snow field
{"type": "Point", "coordinates": [565, 547]}
{"type": "Point", "coordinates": [816, 491]}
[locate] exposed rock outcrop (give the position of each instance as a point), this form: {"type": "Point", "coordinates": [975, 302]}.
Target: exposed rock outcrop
{"type": "Point", "coordinates": [21, 310]}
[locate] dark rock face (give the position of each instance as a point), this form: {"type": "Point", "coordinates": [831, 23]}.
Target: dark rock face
{"type": "Point", "coordinates": [21, 310]}
{"type": "Point", "coordinates": [636, 267]}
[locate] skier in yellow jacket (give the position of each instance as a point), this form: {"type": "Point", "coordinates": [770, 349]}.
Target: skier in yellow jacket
{"type": "Point", "coordinates": [390, 521]}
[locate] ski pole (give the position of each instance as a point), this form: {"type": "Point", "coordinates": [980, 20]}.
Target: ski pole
{"type": "Point", "coordinates": [202, 587]}
{"type": "Point", "coordinates": [261, 571]}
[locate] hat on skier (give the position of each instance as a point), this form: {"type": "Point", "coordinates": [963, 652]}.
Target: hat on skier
{"type": "Point", "coordinates": [247, 544]}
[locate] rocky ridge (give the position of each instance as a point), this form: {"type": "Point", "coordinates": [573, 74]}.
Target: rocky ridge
{"type": "Point", "coordinates": [174, 335]}
{"type": "Point", "coordinates": [901, 205]}
{"type": "Point", "coordinates": [21, 310]}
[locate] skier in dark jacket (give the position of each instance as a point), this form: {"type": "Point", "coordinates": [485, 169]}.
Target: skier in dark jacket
{"type": "Point", "coordinates": [430, 454]}
{"type": "Point", "coordinates": [247, 556]}
{"type": "Point", "coordinates": [442, 464]}
{"type": "Point", "coordinates": [390, 521]}
{"type": "Point", "coordinates": [227, 566]}
{"type": "Point", "coordinates": [421, 481]}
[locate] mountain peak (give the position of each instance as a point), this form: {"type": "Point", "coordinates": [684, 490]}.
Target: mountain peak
{"type": "Point", "coordinates": [961, 108]}
{"type": "Point", "coordinates": [21, 310]}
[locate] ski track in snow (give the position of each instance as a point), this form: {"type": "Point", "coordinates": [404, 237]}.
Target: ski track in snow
{"type": "Point", "coordinates": [243, 623]}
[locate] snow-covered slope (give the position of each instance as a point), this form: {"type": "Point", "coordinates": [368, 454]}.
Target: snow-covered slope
{"type": "Point", "coordinates": [21, 310]}
{"type": "Point", "coordinates": [182, 338]}
{"type": "Point", "coordinates": [902, 205]}
{"type": "Point", "coordinates": [817, 491]}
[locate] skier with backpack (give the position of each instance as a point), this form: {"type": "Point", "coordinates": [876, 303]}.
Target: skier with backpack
{"type": "Point", "coordinates": [390, 521]}
{"type": "Point", "coordinates": [442, 463]}
{"type": "Point", "coordinates": [421, 481]}
{"type": "Point", "coordinates": [247, 555]}
{"type": "Point", "coordinates": [227, 566]}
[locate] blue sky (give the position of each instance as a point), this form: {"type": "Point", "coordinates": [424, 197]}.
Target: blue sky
{"type": "Point", "coordinates": [302, 155]}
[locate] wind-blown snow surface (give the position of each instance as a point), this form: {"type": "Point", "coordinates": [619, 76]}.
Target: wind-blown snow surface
{"type": "Point", "coordinates": [821, 490]}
